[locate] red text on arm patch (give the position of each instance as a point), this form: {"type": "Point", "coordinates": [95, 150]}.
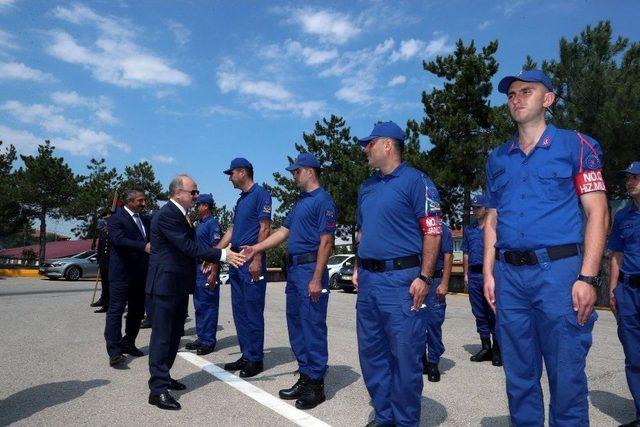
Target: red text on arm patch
{"type": "Point", "coordinates": [430, 225]}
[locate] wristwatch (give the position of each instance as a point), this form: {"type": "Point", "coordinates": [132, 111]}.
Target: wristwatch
{"type": "Point", "coordinates": [595, 281]}
{"type": "Point", "coordinates": [426, 279]}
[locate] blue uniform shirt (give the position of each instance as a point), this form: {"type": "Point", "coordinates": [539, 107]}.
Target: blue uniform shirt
{"type": "Point", "coordinates": [473, 244]}
{"type": "Point", "coordinates": [312, 215]}
{"type": "Point", "coordinates": [446, 246]}
{"type": "Point", "coordinates": [252, 206]}
{"type": "Point", "coordinates": [625, 238]}
{"type": "Point", "coordinates": [537, 196]}
{"type": "Point", "coordinates": [395, 211]}
{"type": "Point", "coordinates": [208, 232]}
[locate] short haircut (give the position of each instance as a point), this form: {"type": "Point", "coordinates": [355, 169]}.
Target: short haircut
{"type": "Point", "coordinates": [317, 171]}
{"type": "Point", "coordinates": [130, 193]}
{"type": "Point", "coordinates": [249, 172]}
{"type": "Point", "coordinates": [398, 145]}
{"type": "Point", "coordinates": [177, 183]}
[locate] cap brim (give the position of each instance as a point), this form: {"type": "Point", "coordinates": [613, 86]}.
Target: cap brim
{"type": "Point", "coordinates": [503, 86]}
{"type": "Point", "coordinates": [367, 139]}
{"type": "Point", "coordinates": [292, 167]}
{"type": "Point", "coordinates": [228, 171]}
{"type": "Point", "coordinates": [621, 174]}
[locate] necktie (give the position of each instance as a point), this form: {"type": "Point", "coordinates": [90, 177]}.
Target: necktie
{"type": "Point", "coordinates": [138, 222]}
{"type": "Point", "coordinates": [188, 220]}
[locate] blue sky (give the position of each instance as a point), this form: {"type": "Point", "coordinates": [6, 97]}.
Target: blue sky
{"type": "Point", "coordinates": [189, 85]}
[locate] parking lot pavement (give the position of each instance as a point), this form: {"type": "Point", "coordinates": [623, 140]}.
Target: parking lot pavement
{"type": "Point", "coordinates": [55, 369]}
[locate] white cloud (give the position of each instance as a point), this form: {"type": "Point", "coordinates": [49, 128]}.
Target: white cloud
{"type": "Point", "coordinates": [438, 46]}
{"type": "Point", "coordinates": [19, 71]}
{"type": "Point", "coordinates": [408, 49]}
{"type": "Point", "coordinates": [5, 5]}
{"type": "Point", "coordinates": [25, 142]}
{"type": "Point", "coordinates": [329, 26]}
{"type": "Point", "coordinates": [355, 91]}
{"type": "Point", "coordinates": [7, 41]}
{"type": "Point", "coordinates": [397, 80]}
{"type": "Point", "coordinates": [180, 32]}
{"type": "Point", "coordinates": [416, 48]}
{"type": "Point", "coordinates": [294, 49]}
{"type": "Point", "coordinates": [221, 110]}
{"type": "Point", "coordinates": [115, 57]}
{"type": "Point", "coordinates": [101, 107]}
{"type": "Point", "coordinates": [485, 24]}
{"type": "Point", "coordinates": [66, 134]}
{"type": "Point", "coordinates": [161, 158]}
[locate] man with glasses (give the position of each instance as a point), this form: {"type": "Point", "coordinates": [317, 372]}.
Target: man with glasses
{"type": "Point", "coordinates": [171, 278]}
{"type": "Point", "coordinates": [251, 225]}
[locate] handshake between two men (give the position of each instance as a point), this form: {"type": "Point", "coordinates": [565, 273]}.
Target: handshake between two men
{"type": "Point", "coordinates": [236, 259]}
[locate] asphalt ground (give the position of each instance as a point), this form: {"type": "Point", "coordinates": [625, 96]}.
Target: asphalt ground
{"type": "Point", "coordinates": [55, 371]}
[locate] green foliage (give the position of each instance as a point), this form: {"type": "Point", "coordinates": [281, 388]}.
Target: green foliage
{"type": "Point", "coordinates": [12, 221]}
{"type": "Point", "coordinates": [142, 175]}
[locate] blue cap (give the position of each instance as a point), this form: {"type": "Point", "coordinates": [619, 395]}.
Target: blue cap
{"type": "Point", "coordinates": [238, 162]}
{"type": "Point", "coordinates": [102, 223]}
{"type": "Point", "coordinates": [205, 198]}
{"type": "Point", "coordinates": [384, 130]}
{"type": "Point", "coordinates": [536, 76]}
{"type": "Point", "coordinates": [634, 169]}
{"type": "Point", "coordinates": [479, 201]}
{"type": "Point", "coordinates": [304, 159]}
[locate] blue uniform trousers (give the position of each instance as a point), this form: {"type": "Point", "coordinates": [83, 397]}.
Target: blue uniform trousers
{"type": "Point", "coordinates": [122, 294]}
{"type": "Point", "coordinates": [167, 317]}
{"type": "Point", "coordinates": [206, 303]}
{"type": "Point", "coordinates": [535, 321]}
{"type": "Point", "coordinates": [628, 305]}
{"type": "Point", "coordinates": [307, 321]}
{"type": "Point", "coordinates": [391, 342]}
{"type": "Point", "coordinates": [247, 304]}
{"type": "Point", "coordinates": [435, 318]}
{"type": "Point", "coordinates": [485, 319]}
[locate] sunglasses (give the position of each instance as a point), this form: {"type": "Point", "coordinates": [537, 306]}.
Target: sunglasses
{"type": "Point", "coordinates": [192, 192]}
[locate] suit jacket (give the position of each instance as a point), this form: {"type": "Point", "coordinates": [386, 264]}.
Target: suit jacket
{"type": "Point", "coordinates": [172, 266]}
{"type": "Point", "coordinates": [102, 253]}
{"type": "Point", "coordinates": [128, 262]}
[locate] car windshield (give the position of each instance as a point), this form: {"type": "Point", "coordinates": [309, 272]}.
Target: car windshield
{"type": "Point", "coordinates": [337, 259]}
{"type": "Point", "coordinates": [85, 254]}
{"type": "Point", "coordinates": [348, 263]}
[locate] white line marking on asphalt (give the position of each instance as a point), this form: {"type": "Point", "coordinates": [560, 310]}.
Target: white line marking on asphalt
{"type": "Point", "coordinates": [299, 417]}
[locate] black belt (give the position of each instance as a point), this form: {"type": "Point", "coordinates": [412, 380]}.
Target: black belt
{"type": "Point", "coordinates": [401, 263]}
{"type": "Point", "coordinates": [437, 274]}
{"type": "Point", "coordinates": [519, 258]}
{"type": "Point", "coordinates": [475, 268]}
{"type": "Point", "coordinates": [632, 279]}
{"type": "Point", "coordinates": [302, 258]}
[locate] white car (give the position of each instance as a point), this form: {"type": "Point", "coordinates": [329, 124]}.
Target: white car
{"type": "Point", "coordinates": [334, 264]}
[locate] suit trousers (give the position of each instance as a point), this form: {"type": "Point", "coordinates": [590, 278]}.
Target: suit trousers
{"type": "Point", "coordinates": [122, 294]}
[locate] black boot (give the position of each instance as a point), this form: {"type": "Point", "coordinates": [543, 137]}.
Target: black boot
{"type": "Point", "coordinates": [237, 365]}
{"type": "Point", "coordinates": [296, 391]}
{"type": "Point", "coordinates": [312, 396]}
{"type": "Point", "coordinates": [425, 364]}
{"type": "Point", "coordinates": [433, 373]}
{"type": "Point", "coordinates": [496, 359]}
{"type": "Point", "coordinates": [485, 353]}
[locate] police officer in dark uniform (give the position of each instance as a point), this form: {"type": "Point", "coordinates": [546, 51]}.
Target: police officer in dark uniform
{"type": "Point", "coordinates": [546, 256]}
{"type": "Point", "coordinates": [436, 303]}
{"type": "Point", "coordinates": [624, 285]}
{"type": "Point", "coordinates": [251, 225]}
{"type": "Point", "coordinates": [473, 250]}
{"type": "Point", "coordinates": [206, 296]}
{"type": "Point", "coordinates": [309, 228]}
{"type": "Point", "coordinates": [398, 221]}
{"type": "Point", "coordinates": [102, 257]}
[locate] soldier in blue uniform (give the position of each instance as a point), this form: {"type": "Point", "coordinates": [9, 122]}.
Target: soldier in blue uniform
{"type": "Point", "coordinates": [206, 296]}
{"type": "Point", "coordinates": [473, 250]}
{"type": "Point", "coordinates": [251, 225]}
{"type": "Point", "coordinates": [436, 306]}
{"type": "Point", "coordinates": [309, 228]}
{"type": "Point", "coordinates": [624, 285]}
{"type": "Point", "coordinates": [398, 221]}
{"type": "Point", "coordinates": [546, 251]}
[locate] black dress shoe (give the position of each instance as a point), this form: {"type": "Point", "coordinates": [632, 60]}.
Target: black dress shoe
{"type": "Point", "coordinates": [635, 423]}
{"type": "Point", "coordinates": [251, 369]}
{"type": "Point", "coordinates": [296, 391]}
{"type": "Point", "coordinates": [164, 401]}
{"type": "Point", "coordinates": [145, 323]}
{"type": "Point", "coordinates": [132, 350]}
{"type": "Point", "coordinates": [375, 424]}
{"type": "Point", "coordinates": [176, 385]}
{"type": "Point", "coordinates": [204, 349]}
{"type": "Point", "coordinates": [237, 365]}
{"type": "Point", "coordinates": [193, 345]}
{"type": "Point", "coordinates": [312, 396]}
{"type": "Point", "coordinates": [116, 360]}
{"type": "Point", "coordinates": [98, 303]}
{"type": "Point", "coordinates": [485, 354]}
{"type": "Point", "coordinates": [102, 309]}
{"type": "Point", "coordinates": [496, 357]}
{"type": "Point", "coordinates": [433, 373]}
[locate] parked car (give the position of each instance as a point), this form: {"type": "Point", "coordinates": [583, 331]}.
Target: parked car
{"type": "Point", "coordinates": [82, 265]}
{"type": "Point", "coordinates": [334, 264]}
{"type": "Point", "coordinates": [343, 277]}
{"type": "Point", "coordinates": [223, 278]}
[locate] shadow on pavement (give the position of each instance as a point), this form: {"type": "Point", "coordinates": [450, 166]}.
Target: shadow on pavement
{"type": "Point", "coordinates": [445, 364]}
{"type": "Point", "coordinates": [617, 407]}
{"type": "Point", "coordinates": [32, 400]}
{"type": "Point", "coordinates": [59, 291]}
{"type": "Point", "coordinates": [276, 356]}
{"type": "Point", "coordinates": [432, 413]}
{"type": "Point", "coordinates": [503, 420]}
{"type": "Point", "coordinates": [339, 377]}
{"type": "Point", "coordinates": [472, 348]}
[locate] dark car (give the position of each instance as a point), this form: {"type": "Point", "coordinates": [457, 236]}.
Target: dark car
{"type": "Point", "coordinates": [344, 276]}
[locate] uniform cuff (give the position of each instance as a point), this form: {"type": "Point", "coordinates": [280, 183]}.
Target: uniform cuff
{"type": "Point", "coordinates": [223, 255]}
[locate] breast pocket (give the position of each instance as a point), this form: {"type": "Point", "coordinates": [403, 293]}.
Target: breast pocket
{"type": "Point", "coordinates": [498, 183]}
{"type": "Point", "coordinates": [627, 231]}
{"type": "Point", "coordinates": [555, 181]}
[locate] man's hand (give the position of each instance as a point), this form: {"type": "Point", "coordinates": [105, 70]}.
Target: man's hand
{"type": "Point", "coordinates": [147, 247]}
{"type": "Point", "coordinates": [354, 278]}
{"type": "Point", "coordinates": [441, 291]}
{"type": "Point", "coordinates": [466, 280]}
{"type": "Point", "coordinates": [419, 290]}
{"type": "Point", "coordinates": [315, 290]}
{"type": "Point", "coordinates": [248, 251]}
{"type": "Point", "coordinates": [234, 258]}
{"type": "Point", "coordinates": [612, 302]}
{"type": "Point", "coordinates": [490, 291]}
{"type": "Point", "coordinates": [584, 297]}
{"type": "Point", "coordinates": [255, 269]}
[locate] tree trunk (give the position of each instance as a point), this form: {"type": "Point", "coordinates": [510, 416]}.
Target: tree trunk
{"type": "Point", "coordinates": [353, 239]}
{"type": "Point", "coordinates": [466, 207]}
{"type": "Point", "coordinates": [43, 236]}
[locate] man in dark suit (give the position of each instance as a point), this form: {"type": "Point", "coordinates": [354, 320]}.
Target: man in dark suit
{"type": "Point", "coordinates": [128, 261]}
{"type": "Point", "coordinates": [171, 278]}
